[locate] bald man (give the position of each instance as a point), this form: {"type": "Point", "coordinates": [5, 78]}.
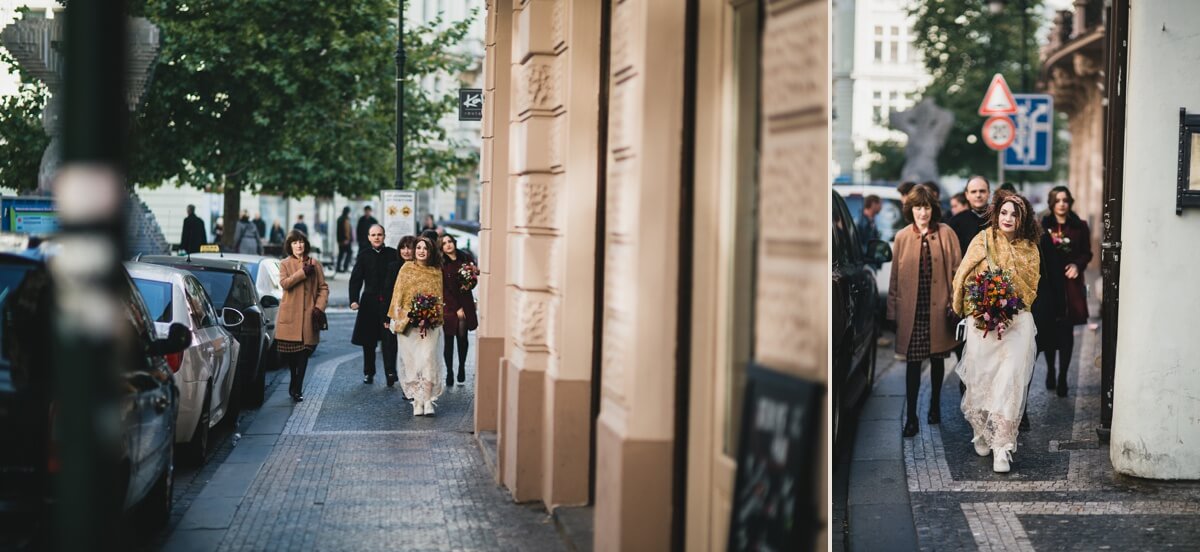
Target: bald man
{"type": "Point", "coordinates": [371, 284]}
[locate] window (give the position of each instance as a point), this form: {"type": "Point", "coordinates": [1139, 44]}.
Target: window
{"type": "Point", "coordinates": [877, 107]}
{"type": "Point", "coordinates": [199, 304]}
{"type": "Point", "coordinates": [894, 44]}
{"type": "Point", "coordinates": [157, 296]}
{"type": "Point", "coordinates": [879, 43]}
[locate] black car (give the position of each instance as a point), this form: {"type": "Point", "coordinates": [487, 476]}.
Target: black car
{"type": "Point", "coordinates": [230, 284]}
{"type": "Point", "coordinates": [145, 399]}
{"type": "Point", "coordinates": [855, 302]}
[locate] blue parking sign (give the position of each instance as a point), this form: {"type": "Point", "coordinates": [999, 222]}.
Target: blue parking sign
{"type": "Point", "coordinates": [1033, 144]}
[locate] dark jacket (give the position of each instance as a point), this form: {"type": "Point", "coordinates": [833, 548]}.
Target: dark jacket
{"type": "Point", "coordinates": [966, 225]}
{"type": "Point", "coordinates": [261, 226]}
{"type": "Point", "coordinates": [246, 238]}
{"type": "Point", "coordinates": [455, 297]}
{"type": "Point", "coordinates": [1079, 253]}
{"type": "Point", "coordinates": [371, 285]}
{"type": "Point", "coordinates": [193, 234]}
{"type": "Point", "coordinates": [301, 227]}
{"type": "Point", "coordinates": [1051, 303]}
{"type": "Point", "coordinates": [343, 230]}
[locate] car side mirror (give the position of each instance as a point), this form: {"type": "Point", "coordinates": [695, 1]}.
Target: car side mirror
{"type": "Point", "coordinates": [231, 317]}
{"type": "Point", "coordinates": [878, 252]}
{"type": "Point", "coordinates": [179, 337]}
{"type": "Point", "coordinates": [269, 301]}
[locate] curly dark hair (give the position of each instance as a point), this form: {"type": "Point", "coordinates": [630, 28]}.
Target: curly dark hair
{"type": "Point", "coordinates": [1027, 227]}
{"type": "Point", "coordinates": [435, 254]}
{"type": "Point", "coordinates": [922, 196]}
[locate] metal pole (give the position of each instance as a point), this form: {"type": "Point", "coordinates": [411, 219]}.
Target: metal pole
{"type": "Point", "coordinates": [1025, 47]}
{"type": "Point", "coordinates": [1000, 168]}
{"type": "Point", "coordinates": [401, 61]}
{"type": "Point", "coordinates": [89, 193]}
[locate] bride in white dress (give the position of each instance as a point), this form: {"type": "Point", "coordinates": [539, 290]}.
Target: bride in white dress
{"type": "Point", "coordinates": [996, 369]}
{"type": "Point", "coordinates": [420, 352]}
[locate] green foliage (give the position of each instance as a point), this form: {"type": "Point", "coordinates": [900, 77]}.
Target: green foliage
{"type": "Point", "coordinates": [22, 140]}
{"type": "Point", "coordinates": [294, 98]}
{"type": "Point", "coordinates": [963, 46]}
{"type": "Point", "coordinates": [887, 160]}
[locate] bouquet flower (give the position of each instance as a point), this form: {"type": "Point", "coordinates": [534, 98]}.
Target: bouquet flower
{"type": "Point", "coordinates": [426, 312]}
{"type": "Point", "coordinates": [992, 300]}
{"type": "Point", "coordinates": [468, 276]}
{"type": "Point", "coordinates": [1061, 242]}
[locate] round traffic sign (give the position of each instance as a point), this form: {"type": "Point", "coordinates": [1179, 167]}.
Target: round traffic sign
{"type": "Point", "coordinates": [998, 133]}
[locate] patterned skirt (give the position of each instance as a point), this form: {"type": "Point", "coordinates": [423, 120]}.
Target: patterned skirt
{"type": "Point", "coordinates": [293, 346]}
{"type": "Point", "coordinates": [918, 342]}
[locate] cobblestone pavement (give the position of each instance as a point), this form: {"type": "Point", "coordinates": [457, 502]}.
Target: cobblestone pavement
{"type": "Point", "coordinates": [354, 470]}
{"type": "Point", "coordinates": [1062, 493]}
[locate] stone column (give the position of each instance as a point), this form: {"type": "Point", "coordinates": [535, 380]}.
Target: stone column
{"type": "Point", "coordinates": [635, 432]}
{"type": "Point", "coordinates": [493, 213]}
{"type": "Point", "coordinates": [792, 307]}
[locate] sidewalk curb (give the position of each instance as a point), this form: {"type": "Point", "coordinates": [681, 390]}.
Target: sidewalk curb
{"type": "Point", "coordinates": [878, 507]}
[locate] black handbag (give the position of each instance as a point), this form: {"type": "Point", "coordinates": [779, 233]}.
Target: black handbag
{"type": "Point", "coordinates": [319, 320]}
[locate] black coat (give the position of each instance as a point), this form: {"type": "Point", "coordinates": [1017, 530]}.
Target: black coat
{"type": "Point", "coordinates": [371, 284]}
{"type": "Point", "coordinates": [193, 234]}
{"type": "Point", "coordinates": [966, 225]}
{"type": "Point", "coordinates": [1050, 305]}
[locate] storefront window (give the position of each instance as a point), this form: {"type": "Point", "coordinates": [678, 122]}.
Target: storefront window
{"type": "Point", "coordinates": [746, 61]}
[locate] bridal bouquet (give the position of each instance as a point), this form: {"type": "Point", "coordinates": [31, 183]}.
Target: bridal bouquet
{"type": "Point", "coordinates": [468, 276]}
{"type": "Point", "coordinates": [426, 312]}
{"type": "Point", "coordinates": [992, 300]}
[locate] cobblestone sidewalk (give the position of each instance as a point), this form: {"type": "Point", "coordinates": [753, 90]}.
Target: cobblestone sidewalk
{"type": "Point", "coordinates": [1062, 493]}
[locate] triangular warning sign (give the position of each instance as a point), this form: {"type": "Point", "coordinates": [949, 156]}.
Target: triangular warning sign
{"type": "Point", "coordinates": [998, 100]}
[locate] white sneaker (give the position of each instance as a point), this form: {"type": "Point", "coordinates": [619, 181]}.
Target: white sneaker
{"type": "Point", "coordinates": [1000, 459]}
{"type": "Point", "coordinates": [429, 408]}
{"type": "Point", "coordinates": [981, 447]}
{"type": "Point", "coordinates": [418, 408]}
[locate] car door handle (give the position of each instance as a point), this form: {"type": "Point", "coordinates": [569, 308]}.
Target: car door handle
{"type": "Point", "coordinates": [160, 404]}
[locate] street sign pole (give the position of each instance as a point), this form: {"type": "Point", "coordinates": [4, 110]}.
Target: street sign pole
{"type": "Point", "coordinates": [1000, 168]}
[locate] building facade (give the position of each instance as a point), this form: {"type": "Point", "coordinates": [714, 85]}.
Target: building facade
{"type": "Point", "coordinates": [648, 172]}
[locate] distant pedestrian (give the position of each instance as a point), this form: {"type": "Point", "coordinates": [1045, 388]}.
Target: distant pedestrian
{"type": "Point", "coordinates": [345, 251]}
{"type": "Point", "coordinates": [260, 225]}
{"type": "Point", "coordinates": [277, 235]}
{"type": "Point", "coordinates": [997, 368]}
{"type": "Point", "coordinates": [304, 293]}
{"type": "Point", "coordinates": [905, 187]}
{"type": "Point", "coordinates": [365, 222]}
{"type": "Point", "coordinates": [428, 224]}
{"type": "Point", "coordinates": [958, 203]}
{"type": "Point", "coordinates": [193, 231]}
{"type": "Point", "coordinates": [246, 239]}
{"type": "Point", "coordinates": [1067, 250]}
{"type": "Point", "coordinates": [431, 235]}
{"type": "Point", "coordinates": [300, 225]}
{"type": "Point", "coordinates": [867, 230]}
{"type": "Point", "coordinates": [460, 306]}
{"type": "Point", "coordinates": [419, 342]}
{"type": "Point", "coordinates": [371, 286]}
{"type": "Point", "coordinates": [926, 255]}
{"type": "Point", "coordinates": [218, 232]}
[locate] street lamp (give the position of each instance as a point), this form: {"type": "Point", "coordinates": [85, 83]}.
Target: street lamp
{"type": "Point", "coordinates": [401, 59]}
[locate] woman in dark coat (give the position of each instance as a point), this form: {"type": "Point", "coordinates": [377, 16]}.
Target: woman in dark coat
{"type": "Point", "coordinates": [460, 307]}
{"type": "Point", "coordinates": [1066, 252]}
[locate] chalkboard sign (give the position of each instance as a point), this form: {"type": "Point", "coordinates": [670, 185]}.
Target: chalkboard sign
{"type": "Point", "coordinates": [774, 502]}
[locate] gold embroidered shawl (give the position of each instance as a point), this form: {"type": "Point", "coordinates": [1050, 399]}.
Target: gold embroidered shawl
{"type": "Point", "coordinates": [414, 279]}
{"type": "Point", "coordinates": [1020, 256]}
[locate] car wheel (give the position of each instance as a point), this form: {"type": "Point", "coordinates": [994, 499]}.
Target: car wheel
{"type": "Point", "coordinates": [196, 450]}
{"type": "Point", "coordinates": [156, 507]}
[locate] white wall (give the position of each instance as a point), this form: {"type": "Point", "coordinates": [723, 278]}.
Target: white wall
{"type": "Point", "coordinates": [1156, 417]}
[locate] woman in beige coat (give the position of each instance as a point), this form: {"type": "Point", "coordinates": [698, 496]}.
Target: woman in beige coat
{"type": "Point", "coordinates": [304, 289]}
{"type": "Point", "coordinates": [923, 264]}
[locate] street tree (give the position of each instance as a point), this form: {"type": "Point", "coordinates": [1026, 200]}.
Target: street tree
{"type": "Point", "coordinates": [291, 98]}
{"type": "Point", "coordinates": [963, 45]}
{"type": "Point", "coordinates": [22, 140]}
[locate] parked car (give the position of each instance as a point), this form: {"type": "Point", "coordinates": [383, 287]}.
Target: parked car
{"type": "Point", "coordinates": [147, 406]}
{"type": "Point", "coordinates": [855, 302]}
{"type": "Point", "coordinates": [229, 284]}
{"type": "Point", "coordinates": [264, 271]}
{"type": "Point", "coordinates": [889, 220]}
{"type": "Point", "coordinates": [204, 372]}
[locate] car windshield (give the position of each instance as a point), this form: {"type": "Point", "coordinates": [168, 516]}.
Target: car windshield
{"type": "Point", "coordinates": [157, 296]}
{"type": "Point", "coordinates": [11, 276]}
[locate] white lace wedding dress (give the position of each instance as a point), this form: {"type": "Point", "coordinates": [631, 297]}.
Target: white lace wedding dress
{"type": "Point", "coordinates": [423, 365]}
{"type": "Point", "coordinates": [996, 372]}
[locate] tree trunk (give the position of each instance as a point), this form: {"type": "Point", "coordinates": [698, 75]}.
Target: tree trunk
{"type": "Point", "coordinates": [233, 209]}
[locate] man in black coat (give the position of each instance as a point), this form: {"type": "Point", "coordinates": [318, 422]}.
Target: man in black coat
{"type": "Point", "coordinates": [967, 224]}
{"type": "Point", "coordinates": [365, 222]}
{"type": "Point", "coordinates": [193, 231]}
{"type": "Point", "coordinates": [371, 284]}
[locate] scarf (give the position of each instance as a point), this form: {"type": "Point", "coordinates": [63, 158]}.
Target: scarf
{"type": "Point", "coordinates": [1021, 257]}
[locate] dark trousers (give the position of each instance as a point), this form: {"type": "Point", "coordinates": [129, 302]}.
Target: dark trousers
{"type": "Point", "coordinates": [448, 352]}
{"type": "Point", "coordinates": [297, 365]}
{"type": "Point", "coordinates": [389, 355]}
{"type": "Point", "coordinates": [343, 258]}
{"type": "Point", "coordinates": [912, 384]}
